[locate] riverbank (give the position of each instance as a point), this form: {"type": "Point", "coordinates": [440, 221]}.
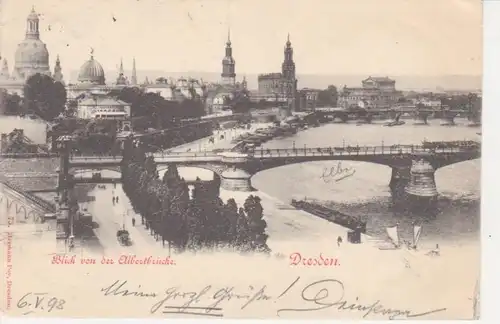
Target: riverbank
{"type": "Point", "coordinates": [221, 139]}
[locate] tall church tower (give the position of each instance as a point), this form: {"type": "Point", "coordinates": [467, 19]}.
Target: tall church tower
{"type": "Point", "coordinates": [228, 64]}
{"type": "Point", "coordinates": [288, 66]}
{"type": "Point", "coordinates": [288, 73]}
{"type": "Point", "coordinates": [133, 79]}
{"type": "Point", "coordinates": [58, 76]}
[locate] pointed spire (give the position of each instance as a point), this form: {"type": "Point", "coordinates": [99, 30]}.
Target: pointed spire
{"type": "Point", "coordinates": [121, 65]}
{"type": "Point", "coordinates": [228, 43]}
{"type": "Point", "coordinates": [288, 43]}
{"type": "Point", "coordinates": [134, 73]}
{"type": "Point", "coordinates": [58, 76]}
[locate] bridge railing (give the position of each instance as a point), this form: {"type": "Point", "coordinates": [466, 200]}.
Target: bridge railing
{"type": "Point", "coordinates": [359, 150]}
{"type": "Point", "coordinates": [27, 155]}
{"type": "Point", "coordinates": [155, 155]}
{"type": "Point", "coordinates": [305, 151]}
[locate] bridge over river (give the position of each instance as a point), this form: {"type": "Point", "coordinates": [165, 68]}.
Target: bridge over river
{"type": "Point", "coordinates": [413, 166]}
{"type": "Point", "coordinates": [417, 163]}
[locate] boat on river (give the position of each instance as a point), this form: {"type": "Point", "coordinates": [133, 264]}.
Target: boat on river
{"type": "Point", "coordinates": [395, 122]}
{"type": "Point", "coordinates": [348, 221]}
{"type": "Point", "coordinates": [395, 241]}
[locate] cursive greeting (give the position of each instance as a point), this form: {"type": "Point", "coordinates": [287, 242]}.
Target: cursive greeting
{"type": "Point", "coordinates": [210, 300]}
{"type": "Point", "coordinates": [336, 173]}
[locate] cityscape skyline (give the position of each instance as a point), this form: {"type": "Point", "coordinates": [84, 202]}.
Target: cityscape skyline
{"type": "Point", "coordinates": [64, 30]}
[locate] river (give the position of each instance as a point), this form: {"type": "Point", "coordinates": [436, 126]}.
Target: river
{"type": "Point", "coordinates": [367, 193]}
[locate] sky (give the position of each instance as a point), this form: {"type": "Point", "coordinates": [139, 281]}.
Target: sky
{"type": "Point", "coordinates": [367, 37]}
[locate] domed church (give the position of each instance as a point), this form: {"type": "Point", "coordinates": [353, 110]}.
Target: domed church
{"type": "Point", "coordinates": [91, 92]}
{"type": "Point", "coordinates": [31, 57]}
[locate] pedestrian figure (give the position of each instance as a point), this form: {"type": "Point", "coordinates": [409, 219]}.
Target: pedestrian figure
{"type": "Point", "coordinates": [71, 243]}
{"type": "Point", "coordinates": [339, 240]}
{"type": "Point", "coordinates": [113, 200]}
{"type": "Point", "coordinates": [117, 199]}
{"type": "Point", "coordinates": [133, 221]}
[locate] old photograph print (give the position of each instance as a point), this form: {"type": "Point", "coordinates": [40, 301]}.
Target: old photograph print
{"type": "Point", "coordinates": [241, 159]}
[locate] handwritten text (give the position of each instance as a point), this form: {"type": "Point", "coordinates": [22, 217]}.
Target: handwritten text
{"type": "Point", "coordinates": [336, 173]}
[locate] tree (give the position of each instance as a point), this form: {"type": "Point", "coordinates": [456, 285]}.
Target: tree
{"type": "Point", "coordinates": [12, 103]}
{"type": "Point", "coordinates": [44, 97]}
{"type": "Point", "coordinates": [328, 97]}
{"type": "Point", "coordinates": [256, 225]}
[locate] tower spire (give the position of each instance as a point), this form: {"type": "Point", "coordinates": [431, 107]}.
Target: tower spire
{"type": "Point", "coordinates": [228, 63]}
{"type": "Point", "coordinates": [58, 76]}
{"type": "Point", "coordinates": [121, 80]}
{"type": "Point", "coordinates": [134, 73]}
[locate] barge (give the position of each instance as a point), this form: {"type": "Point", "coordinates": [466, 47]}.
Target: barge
{"type": "Point", "coordinates": [348, 221]}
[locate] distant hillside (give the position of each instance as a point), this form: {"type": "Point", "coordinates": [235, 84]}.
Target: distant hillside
{"type": "Point", "coordinates": [403, 82]}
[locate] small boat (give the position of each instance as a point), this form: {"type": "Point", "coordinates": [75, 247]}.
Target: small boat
{"type": "Point", "coordinates": [417, 231]}
{"type": "Point", "coordinates": [395, 122]}
{"type": "Point", "coordinates": [479, 133]}
{"type": "Point", "coordinates": [393, 234]}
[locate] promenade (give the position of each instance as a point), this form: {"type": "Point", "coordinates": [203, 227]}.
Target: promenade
{"type": "Point", "coordinates": [219, 143]}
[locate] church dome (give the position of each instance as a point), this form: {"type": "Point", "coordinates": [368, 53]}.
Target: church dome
{"type": "Point", "coordinates": [91, 72]}
{"type": "Point", "coordinates": [32, 53]}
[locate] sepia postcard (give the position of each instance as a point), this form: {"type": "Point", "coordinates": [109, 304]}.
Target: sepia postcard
{"type": "Point", "coordinates": [291, 159]}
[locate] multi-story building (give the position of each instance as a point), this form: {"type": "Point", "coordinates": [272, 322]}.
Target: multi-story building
{"type": "Point", "coordinates": [308, 98]}
{"type": "Point", "coordinates": [280, 87]}
{"type": "Point", "coordinates": [377, 92]}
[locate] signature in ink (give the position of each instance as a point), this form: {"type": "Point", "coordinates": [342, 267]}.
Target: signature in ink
{"type": "Point", "coordinates": [32, 302]}
{"type": "Point", "coordinates": [336, 173]}
{"type": "Point", "coordinates": [330, 293]}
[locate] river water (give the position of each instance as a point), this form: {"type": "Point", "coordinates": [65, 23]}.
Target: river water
{"type": "Point", "coordinates": [367, 193]}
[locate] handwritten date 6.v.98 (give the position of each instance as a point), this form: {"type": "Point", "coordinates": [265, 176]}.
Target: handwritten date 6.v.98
{"type": "Point", "coordinates": [32, 302]}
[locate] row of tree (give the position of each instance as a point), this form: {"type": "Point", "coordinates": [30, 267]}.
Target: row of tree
{"type": "Point", "coordinates": [201, 221]}
{"type": "Point", "coordinates": [161, 113]}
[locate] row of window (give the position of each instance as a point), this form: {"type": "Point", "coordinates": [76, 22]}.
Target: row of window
{"type": "Point", "coordinates": [107, 110]}
{"type": "Point", "coordinates": [364, 98]}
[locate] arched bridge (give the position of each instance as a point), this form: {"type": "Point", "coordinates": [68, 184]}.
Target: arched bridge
{"type": "Point", "coordinates": [420, 115]}
{"type": "Point", "coordinates": [236, 169]}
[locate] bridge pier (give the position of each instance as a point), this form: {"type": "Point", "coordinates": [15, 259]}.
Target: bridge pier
{"type": "Point", "coordinates": [421, 189]}
{"type": "Point", "coordinates": [234, 179]}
